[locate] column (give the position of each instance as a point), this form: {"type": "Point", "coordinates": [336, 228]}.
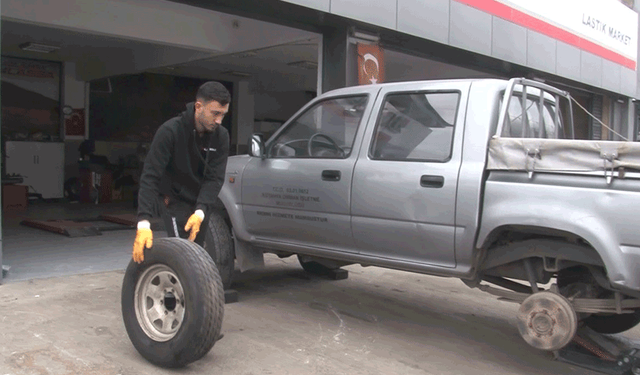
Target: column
{"type": "Point", "coordinates": [338, 61]}
{"type": "Point", "coordinates": [243, 116]}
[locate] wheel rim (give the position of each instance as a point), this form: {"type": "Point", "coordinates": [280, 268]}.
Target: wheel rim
{"type": "Point", "coordinates": [547, 321]}
{"type": "Point", "coordinates": [159, 303]}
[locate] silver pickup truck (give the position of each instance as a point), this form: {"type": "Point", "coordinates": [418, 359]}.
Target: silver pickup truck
{"type": "Point", "coordinates": [450, 178]}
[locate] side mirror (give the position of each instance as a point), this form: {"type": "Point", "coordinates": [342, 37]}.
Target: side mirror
{"type": "Point", "coordinates": [256, 146]}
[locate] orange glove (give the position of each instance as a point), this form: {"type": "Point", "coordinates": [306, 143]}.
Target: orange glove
{"type": "Point", "coordinates": [144, 238]}
{"type": "Point", "coordinates": [193, 224]}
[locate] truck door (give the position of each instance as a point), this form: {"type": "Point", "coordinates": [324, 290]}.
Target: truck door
{"type": "Point", "coordinates": [300, 194]}
{"type": "Point", "coordinates": [405, 180]}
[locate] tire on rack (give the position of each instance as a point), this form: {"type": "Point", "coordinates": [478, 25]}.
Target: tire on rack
{"type": "Point", "coordinates": [173, 303]}
{"type": "Point", "coordinates": [601, 323]}
{"type": "Point", "coordinates": [219, 244]}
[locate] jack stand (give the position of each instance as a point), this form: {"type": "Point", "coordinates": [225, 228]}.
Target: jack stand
{"type": "Point", "coordinates": [337, 274]}
{"type": "Point", "coordinates": [5, 270]}
{"type": "Point", "coordinates": [596, 352]}
{"type": "Point", "coordinates": [230, 296]}
{"type": "Point", "coordinates": [330, 273]}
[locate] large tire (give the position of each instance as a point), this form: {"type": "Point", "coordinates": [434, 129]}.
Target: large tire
{"type": "Point", "coordinates": [613, 323]}
{"type": "Point", "coordinates": [177, 276]}
{"type": "Point", "coordinates": [219, 244]}
{"type": "Point", "coordinates": [601, 323]}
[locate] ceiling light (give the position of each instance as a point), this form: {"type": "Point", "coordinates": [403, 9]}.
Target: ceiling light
{"type": "Point", "coordinates": [237, 74]}
{"type": "Point", "coordinates": [365, 36]}
{"type": "Point", "coordinates": [304, 64]}
{"type": "Point", "coordinates": [38, 47]}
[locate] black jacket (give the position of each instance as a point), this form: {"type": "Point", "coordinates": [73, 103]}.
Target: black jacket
{"type": "Point", "coordinates": [175, 165]}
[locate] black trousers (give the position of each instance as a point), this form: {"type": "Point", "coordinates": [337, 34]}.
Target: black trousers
{"type": "Point", "coordinates": [175, 214]}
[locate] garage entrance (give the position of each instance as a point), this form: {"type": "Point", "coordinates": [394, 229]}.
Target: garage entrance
{"type": "Point", "coordinates": [84, 91]}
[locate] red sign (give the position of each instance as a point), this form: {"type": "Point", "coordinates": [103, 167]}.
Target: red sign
{"type": "Point", "coordinates": [370, 64]}
{"type": "Point", "coordinates": [28, 69]}
{"type": "Point", "coordinates": [74, 123]}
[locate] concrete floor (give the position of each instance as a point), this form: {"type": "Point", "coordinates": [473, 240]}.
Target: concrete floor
{"type": "Point", "coordinates": [60, 315]}
{"type": "Point", "coordinates": [34, 253]}
{"type": "Point", "coordinates": [286, 322]}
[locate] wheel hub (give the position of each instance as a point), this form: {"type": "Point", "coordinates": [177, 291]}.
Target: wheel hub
{"type": "Point", "coordinates": [159, 303]}
{"type": "Point", "coordinates": [169, 301]}
{"type": "Point", "coordinates": [542, 323]}
{"type": "Point", "coordinates": [547, 321]}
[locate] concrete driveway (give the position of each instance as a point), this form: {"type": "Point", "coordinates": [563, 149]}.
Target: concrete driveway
{"type": "Point", "coordinates": [286, 322]}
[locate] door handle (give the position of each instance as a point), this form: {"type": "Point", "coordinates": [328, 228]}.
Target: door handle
{"type": "Point", "coordinates": [329, 175]}
{"type": "Point", "coordinates": [430, 181]}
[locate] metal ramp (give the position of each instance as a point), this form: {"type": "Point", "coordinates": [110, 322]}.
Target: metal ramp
{"type": "Point", "coordinates": [82, 227]}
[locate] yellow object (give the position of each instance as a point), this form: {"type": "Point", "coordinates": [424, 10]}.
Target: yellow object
{"type": "Point", "coordinates": [193, 225]}
{"type": "Point", "coordinates": [144, 238]}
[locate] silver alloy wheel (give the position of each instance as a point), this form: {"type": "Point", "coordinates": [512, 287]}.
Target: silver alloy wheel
{"type": "Point", "coordinates": [159, 303]}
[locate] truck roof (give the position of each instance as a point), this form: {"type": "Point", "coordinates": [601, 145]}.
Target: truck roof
{"type": "Point", "coordinates": [377, 86]}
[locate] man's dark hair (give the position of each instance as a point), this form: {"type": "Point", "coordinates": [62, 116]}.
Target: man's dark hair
{"type": "Point", "coordinates": [213, 90]}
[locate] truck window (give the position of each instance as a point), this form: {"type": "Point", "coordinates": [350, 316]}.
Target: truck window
{"type": "Point", "coordinates": [536, 126]}
{"type": "Point", "coordinates": [416, 127]}
{"type": "Point", "coordinates": [326, 130]}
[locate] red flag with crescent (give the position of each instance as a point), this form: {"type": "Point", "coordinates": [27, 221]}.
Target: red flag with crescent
{"type": "Point", "coordinates": [370, 64]}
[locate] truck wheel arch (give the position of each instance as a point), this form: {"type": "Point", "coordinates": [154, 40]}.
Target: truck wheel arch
{"type": "Point", "coordinates": [511, 243]}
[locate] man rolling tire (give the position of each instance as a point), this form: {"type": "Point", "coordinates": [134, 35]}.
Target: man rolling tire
{"type": "Point", "coordinates": [184, 169]}
{"type": "Point", "coordinates": [172, 296]}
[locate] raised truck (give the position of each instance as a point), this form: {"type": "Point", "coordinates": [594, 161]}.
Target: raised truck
{"type": "Point", "coordinates": [477, 179]}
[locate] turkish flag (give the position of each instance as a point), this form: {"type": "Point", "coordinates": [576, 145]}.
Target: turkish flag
{"type": "Point", "coordinates": [370, 64]}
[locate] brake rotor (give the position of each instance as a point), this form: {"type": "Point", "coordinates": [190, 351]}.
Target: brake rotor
{"type": "Point", "coordinates": [547, 321]}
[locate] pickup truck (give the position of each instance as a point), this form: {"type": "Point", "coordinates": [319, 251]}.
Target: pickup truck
{"type": "Point", "coordinates": [451, 178]}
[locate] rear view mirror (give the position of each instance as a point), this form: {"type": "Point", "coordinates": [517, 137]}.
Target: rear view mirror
{"type": "Point", "coordinates": [256, 146]}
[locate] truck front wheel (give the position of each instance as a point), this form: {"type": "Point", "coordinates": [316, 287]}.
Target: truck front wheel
{"type": "Point", "coordinates": [219, 244]}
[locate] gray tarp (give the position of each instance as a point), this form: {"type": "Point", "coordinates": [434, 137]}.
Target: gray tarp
{"type": "Point", "coordinates": [561, 155]}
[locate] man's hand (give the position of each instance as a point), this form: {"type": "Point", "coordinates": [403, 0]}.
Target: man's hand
{"type": "Point", "coordinates": [144, 238]}
{"type": "Point", "coordinates": [193, 224]}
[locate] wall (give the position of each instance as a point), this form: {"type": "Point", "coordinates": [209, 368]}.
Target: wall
{"type": "Point", "coordinates": [636, 7]}
{"type": "Point", "coordinates": [404, 67]}
{"type": "Point", "coordinates": [31, 99]}
{"type": "Point", "coordinates": [279, 106]}
{"type": "Point", "coordinates": [606, 117]}
{"type": "Point", "coordinates": [147, 20]}
{"type": "Point", "coordinates": [244, 99]}
{"type": "Point", "coordinates": [1, 214]}
{"type": "Point", "coordinates": [74, 95]}
{"type": "Point", "coordinates": [139, 104]}
{"type": "Point", "coordinates": [139, 29]}
{"type": "Point", "coordinates": [459, 25]}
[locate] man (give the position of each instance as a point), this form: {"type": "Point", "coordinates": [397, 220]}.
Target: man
{"type": "Point", "coordinates": [184, 169]}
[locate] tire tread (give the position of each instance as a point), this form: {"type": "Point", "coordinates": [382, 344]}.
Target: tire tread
{"type": "Point", "coordinates": [208, 315]}
{"type": "Point", "coordinates": [220, 247]}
